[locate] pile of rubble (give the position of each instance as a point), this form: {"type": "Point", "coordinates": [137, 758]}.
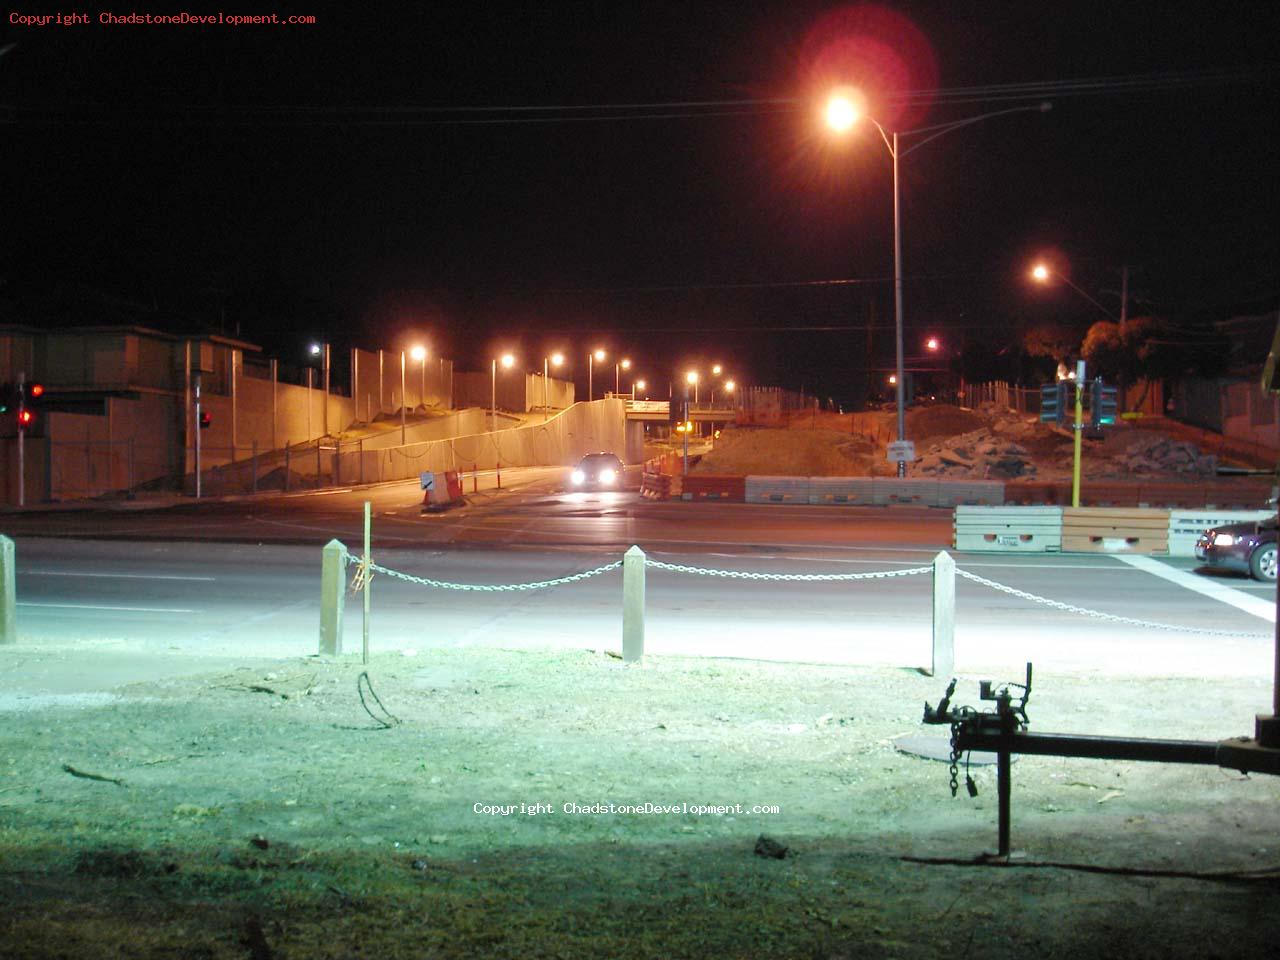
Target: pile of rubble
{"type": "Point", "coordinates": [977, 454]}
{"type": "Point", "coordinates": [1149, 453]}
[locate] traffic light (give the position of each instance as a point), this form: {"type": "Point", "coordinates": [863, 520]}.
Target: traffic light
{"type": "Point", "coordinates": [28, 397]}
{"type": "Point", "coordinates": [1103, 404]}
{"type": "Point", "coordinates": [1054, 399]}
{"type": "Point", "coordinates": [205, 420]}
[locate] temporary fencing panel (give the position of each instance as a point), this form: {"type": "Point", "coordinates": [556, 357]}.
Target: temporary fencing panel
{"type": "Point", "coordinates": [1185, 526]}
{"type": "Point", "coordinates": [1115, 530]}
{"type": "Point", "coordinates": [1009, 529]}
{"type": "Point", "coordinates": [777, 490]}
{"type": "Point", "coordinates": [1037, 493]}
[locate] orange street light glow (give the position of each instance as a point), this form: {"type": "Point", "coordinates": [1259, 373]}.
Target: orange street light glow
{"type": "Point", "coordinates": [1040, 273]}
{"type": "Point", "coordinates": [419, 352]}
{"type": "Point", "coordinates": [691, 376]}
{"type": "Point", "coordinates": [508, 360]}
{"type": "Point", "coordinates": [931, 343]}
{"type": "Point", "coordinates": [557, 359]}
{"type": "Point", "coordinates": [728, 386]}
{"type": "Point", "coordinates": [600, 354]}
{"type": "Point", "coordinates": [842, 112]}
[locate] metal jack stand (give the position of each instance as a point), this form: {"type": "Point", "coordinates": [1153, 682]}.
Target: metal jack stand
{"type": "Point", "coordinates": [1003, 731]}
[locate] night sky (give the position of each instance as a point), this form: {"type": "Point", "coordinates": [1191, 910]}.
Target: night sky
{"type": "Point", "coordinates": [648, 177]}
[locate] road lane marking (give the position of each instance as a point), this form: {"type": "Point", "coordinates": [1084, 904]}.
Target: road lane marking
{"type": "Point", "coordinates": [87, 606]}
{"type": "Point", "coordinates": [1241, 601]}
{"type": "Point", "coordinates": [120, 576]}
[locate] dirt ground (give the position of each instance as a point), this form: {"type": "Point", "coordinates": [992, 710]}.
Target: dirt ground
{"type": "Point", "coordinates": [256, 809]}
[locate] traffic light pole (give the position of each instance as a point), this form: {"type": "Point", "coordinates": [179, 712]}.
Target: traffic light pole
{"type": "Point", "coordinates": [22, 433]}
{"type": "Point", "coordinates": [1078, 427]}
{"type": "Point", "coordinates": [197, 431]}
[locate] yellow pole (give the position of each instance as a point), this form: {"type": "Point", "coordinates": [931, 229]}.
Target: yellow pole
{"type": "Point", "coordinates": [1079, 432]}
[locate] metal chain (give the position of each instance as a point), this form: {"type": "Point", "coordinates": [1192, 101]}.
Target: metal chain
{"type": "Point", "coordinates": [746, 575]}
{"type": "Point", "coordinates": [498, 587]}
{"type": "Point", "coordinates": [1109, 617]}
{"type": "Point", "coordinates": [955, 756]}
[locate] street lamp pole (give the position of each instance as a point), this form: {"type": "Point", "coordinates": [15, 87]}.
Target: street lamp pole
{"type": "Point", "coordinates": [403, 402]}
{"type": "Point", "coordinates": [842, 114]}
{"type": "Point", "coordinates": [493, 394]}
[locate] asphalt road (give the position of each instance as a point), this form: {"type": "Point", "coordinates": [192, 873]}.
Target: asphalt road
{"type": "Point", "coordinates": [242, 578]}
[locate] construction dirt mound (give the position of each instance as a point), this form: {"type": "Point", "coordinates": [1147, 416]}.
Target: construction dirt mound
{"type": "Point", "coordinates": [958, 443]}
{"type": "Point", "coordinates": [798, 452]}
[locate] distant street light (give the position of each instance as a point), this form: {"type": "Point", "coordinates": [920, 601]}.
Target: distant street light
{"type": "Point", "coordinates": [715, 369]}
{"type": "Point", "coordinates": [692, 378]}
{"type": "Point", "coordinates": [554, 360]}
{"type": "Point", "coordinates": [843, 113]}
{"type": "Point", "coordinates": [625, 364]}
{"type": "Point", "coordinates": [1042, 273]}
{"type": "Point", "coordinates": [507, 361]}
{"type": "Point", "coordinates": [636, 385]}
{"type": "Point", "coordinates": [419, 353]}
{"type": "Point", "coordinates": [932, 344]}
{"type": "Point", "coordinates": [591, 359]}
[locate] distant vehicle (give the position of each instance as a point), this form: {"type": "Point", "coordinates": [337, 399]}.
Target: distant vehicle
{"type": "Point", "coordinates": [1246, 547]}
{"type": "Point", "coordinates": [598, 471]}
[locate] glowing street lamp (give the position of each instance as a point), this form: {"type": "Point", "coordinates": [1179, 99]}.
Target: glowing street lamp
{"type": "Point", "coordinates": [591, 359]}
{"type": "Point", "coordinates": [419, 353]}
{"type": "Point", "coordinates": [932, 344]}
{"type": "Point", "coordinates": [715, 369]}
{"type": "Point", "coordinates": [842, 113]}
{"type": "Point", "coordinates": [507, 361]}
{"type": "Point", "coordinates": [636, 385]}
{"type": "Point", "coordinates": [624, 364]}
{"type": "Point", "coordinates": [691, 378]}
{"type": "Point", "coordinates": [554, 360]}
{"type": "Point", "coordinates": [1042, 273]}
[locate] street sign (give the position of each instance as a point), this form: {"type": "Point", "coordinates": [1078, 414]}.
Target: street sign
{"type": "Point", "coordinates": [900, 450]}
{"type": "Point", "coordinates": [428, 480]}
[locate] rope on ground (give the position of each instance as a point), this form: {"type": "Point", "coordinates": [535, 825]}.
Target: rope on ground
{"type": "Point", "coordinates": [390, 720]}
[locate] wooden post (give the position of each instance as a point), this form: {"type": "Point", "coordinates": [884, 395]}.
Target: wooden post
{"type": "Point", "coordinates": [333, 590]}
{"type": "Point", "coordinates": [8, 593]}
{"type": "Point", "coordinates": [944, 615]}
{"type": "Point", "coordinates": [633, 566]}
{"type": "Point", "coordinates": [364, 648]}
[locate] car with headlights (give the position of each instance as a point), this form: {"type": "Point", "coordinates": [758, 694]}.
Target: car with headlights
{"type": "Point", "coordinates": [597, 471]}
{"type": "Point", "coordinates": [1245, 547]}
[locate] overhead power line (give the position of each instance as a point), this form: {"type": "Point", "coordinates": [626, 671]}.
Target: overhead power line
{"type": "Point", "coordinates": [505, 114]}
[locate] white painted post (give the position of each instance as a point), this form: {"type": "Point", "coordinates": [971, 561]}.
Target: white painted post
{"type": "Point", "coordinates": [944, 615]}
{"type": "Point", "coordinates": [8, 593]}
{"type": "Point", "coordinates": [633, 564]}
{"type": "Point", "coordinates": [333, 591]}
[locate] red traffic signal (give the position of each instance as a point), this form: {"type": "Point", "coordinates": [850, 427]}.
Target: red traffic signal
{"type": "Point", "coordinates": [35, 391]}
{"type": "Point", "coordinates": [25, 417]}
{"type": "Point", "coordinates": [205, 420]}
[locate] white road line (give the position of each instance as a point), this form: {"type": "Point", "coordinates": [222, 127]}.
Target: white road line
{"type": "Point", "coordinates": [120, 576]}
{"type": "Point", "coordinates": [87, 606]}
{"type": "Point", "coordinates": [1265, 609]}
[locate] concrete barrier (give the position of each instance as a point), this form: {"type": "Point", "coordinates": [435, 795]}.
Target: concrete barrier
{"type": "Point", "coordinates": [700, 486]}
{"type": "Point", "coordinates": [850, 491]}
{"type": "Point", "coordinates": [777, 489]}
{"type": "Point", "coordinates": [1115, 530]}
{"type": "Point", "coordinates": [953, 493]}
{"type": "Point", "coordinates": [893, 491]}
{"type": "Point", "coordinates": [1008, 529]}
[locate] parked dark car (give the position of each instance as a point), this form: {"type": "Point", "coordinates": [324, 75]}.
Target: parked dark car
{"type": "Point", "coordinates": [1247, 547]}
{"type": "Point", "coordinates": [599, 471]}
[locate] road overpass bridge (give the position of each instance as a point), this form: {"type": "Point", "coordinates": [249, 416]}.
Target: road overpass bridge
{"type": "Point", "coordinates": [660, 410]}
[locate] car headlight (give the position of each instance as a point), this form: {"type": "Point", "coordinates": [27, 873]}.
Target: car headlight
{"type": "Point", "coordinates": [607, 475]}
{"type": "Point", "coordinates": [1224, 540]}
{"type": "Point", "coordinates": [579, 476]}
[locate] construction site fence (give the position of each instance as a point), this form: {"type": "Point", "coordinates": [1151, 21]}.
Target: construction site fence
{"type": "Point", "coordinates": [78, 470]}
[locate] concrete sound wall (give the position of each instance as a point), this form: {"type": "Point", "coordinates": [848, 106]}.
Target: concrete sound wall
{"type": "Point", "coordinates": [561, 441]}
